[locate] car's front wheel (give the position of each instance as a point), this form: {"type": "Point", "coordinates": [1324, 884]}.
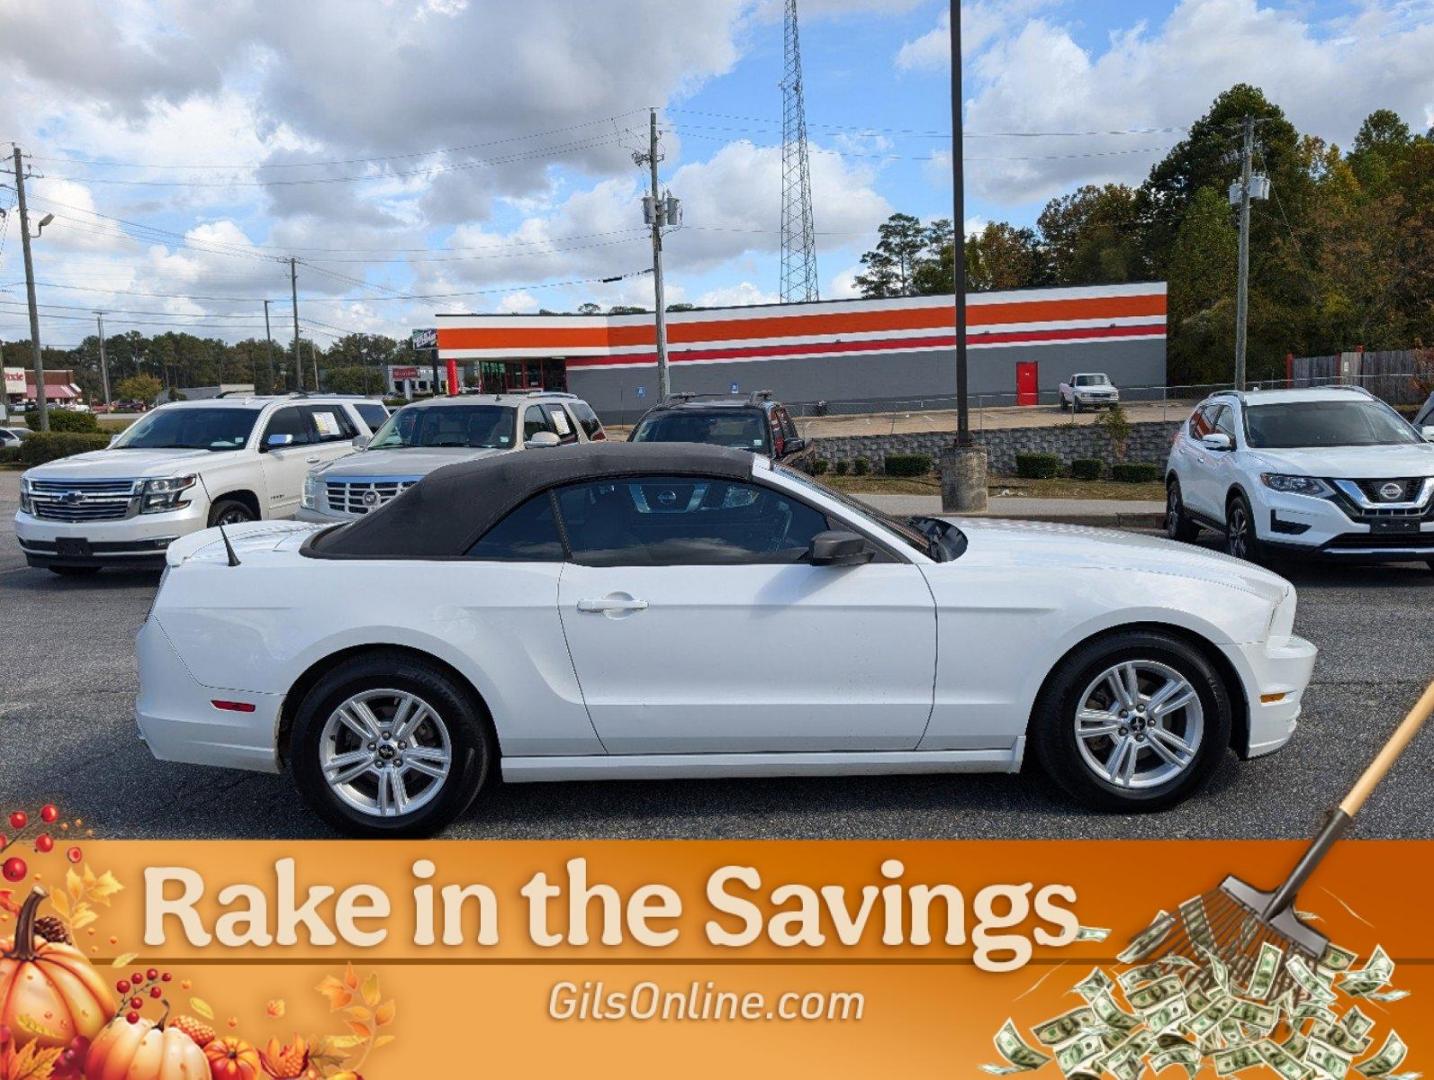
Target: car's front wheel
{"type": "Point", "coordinates": [1241, 540]}
{"type": "Point", "coordinates": [389, 745]}
{"type": "Point", "coordinates": [1135, 721]}
{"type": "Point", "coordinates": [229, 512]}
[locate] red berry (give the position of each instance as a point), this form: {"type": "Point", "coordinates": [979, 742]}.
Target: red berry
{"type": "Point", "coordinates": [136, 1003]}
{"type": "Point", "coordinates": [137, 978]}
{"type": "Point", "coordinates": [132, 1017]}
{"type": "Point", "coordinates": [152, 974]}
{"type": "Point", "coordinates": [49, 813]}
{"type": "Point", "coordinates": [4, 841]}
{"type": "Point", "coordinates": [122, 986]}
{"type": "Point", "coordinates": [166, 977]}
{"type": "Point", "coordinates": [19, 819]}
{"type": "Point", "coordinates": [155, 991]}
{"type": "Point", "coordinates": [44, 843]}
{"type": "Point", "coordinates": [14, 869]}
{"type": "Point", "coordinates": [74, 854]}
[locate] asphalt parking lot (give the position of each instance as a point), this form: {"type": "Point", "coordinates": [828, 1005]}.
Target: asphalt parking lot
{"type": "Point", "coordinates": [67, 734]}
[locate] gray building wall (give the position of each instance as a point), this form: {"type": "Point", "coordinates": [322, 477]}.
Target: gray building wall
{"type": "Point", "coordinates": [878, 382]}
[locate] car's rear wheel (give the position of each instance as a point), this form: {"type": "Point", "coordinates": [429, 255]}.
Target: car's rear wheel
{"type": "Point", "coordinates": [1177, 525]}
{"type": "Point", "coordinates": [1135, 721]}
{"type": "Point", "coordinates": [1241, 540]}
{"type": "Point", "coordinates": [388, 745]}
{"type": "Point", "coordinates": [229, 512]}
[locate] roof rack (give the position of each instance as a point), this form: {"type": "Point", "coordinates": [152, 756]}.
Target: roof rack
{"type": "Point", "coordinates": [759, 396]}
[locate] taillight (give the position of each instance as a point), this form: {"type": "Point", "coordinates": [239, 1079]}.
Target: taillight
{"type": "Point", "coordinates": [598, 436]}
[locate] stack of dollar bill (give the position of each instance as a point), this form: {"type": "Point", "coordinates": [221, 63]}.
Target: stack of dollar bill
{"type": "Point", "coordinates": [1193, 1012]}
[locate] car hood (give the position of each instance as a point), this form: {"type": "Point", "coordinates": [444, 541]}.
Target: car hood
{"type": "Point", "coordinates": [1022, 544]}
{"type": "Point", "coordinates": [1350, 462]}
{"type": "Point", "coordinates": [123, 464]}
{"type": "Point", "coordinates": [415, 461]}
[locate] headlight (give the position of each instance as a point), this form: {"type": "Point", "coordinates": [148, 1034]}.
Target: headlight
{"type": "Point", "coordinates": [311, 492]}
{"type": "Point", "coordinates": [1295, 485]}
{"type": "Point", "coordinates": [165, 493]}
{"type": "Point", "coordinates": [26, 506]}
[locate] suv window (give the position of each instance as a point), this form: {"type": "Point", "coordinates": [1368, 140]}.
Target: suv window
{"type": "Point", "coordinates": [1200, 424]}
{"type": "Point", "coordinates": [587, 419]}
{"type": "Point", "coordinates": [1224, 421]}
{"type": "Point", "coordinates": [562, 422]}
{"type": "Point", "coordinates": [373, 413]}
{"type": "Point", "coordinates": [684, 521]}
{"type": "Point", "coordinates": [534, 421]}
{"type": "Point", "coordinates": [744, 429]}
{"type": "Point", "coordinates": [527, 534]}
{"type": "Point", "coordinates": [789, 426]}
{"type": "Point", "coordinates": [331, 423]}
{"type": "Point", "coordinates": [288, 421]}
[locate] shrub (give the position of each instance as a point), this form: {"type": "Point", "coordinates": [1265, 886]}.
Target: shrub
{"type": "Point", "coordinates": [1135, 472]}
{"type": "Point", "coordinates": [64, 420]}
{"type": "Point", "coordinates": [9, 454]}
{"type": "Point", "coordinates": [907, 464]}
{"type": "Point", "coordinates": [1117, 429]}
{"type": "Point", "coordinates": [1087, 468]}
{"type": "Point", "coordinates": [860, 467]}
{"type": "Point", "coordinates": [46, 446]}
{"type": "Point", "coordinates": [819, 465]}
{"type": "Point", "coordinates": [1038, 466]}
{"type": "Point", "coordinates": [843, 467]}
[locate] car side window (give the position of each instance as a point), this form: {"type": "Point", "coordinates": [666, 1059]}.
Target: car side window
{"type": "Point", "coordinates": [372, 413]}
{"type": "Point", "coordinates": [534, 421]}
{"type": "Point", "coordinates": [330, 423]}
{"type": "Point", "coordinates": [789, 427]}
{"type": "Point", "coordinates": [1225, 422]}
{"type": "Point", "coordinates": [527, 534]}
{"type": "Point", "coordinates": [289, 421]}
{"type": "Point", "coordinates": [685, 521]}
{"type": "Point", "coordinates": [588, 419]}
{"type": "Point", "coordinates": [1200, 425]}
{"type": "Point", "coordinates": [561, 422]}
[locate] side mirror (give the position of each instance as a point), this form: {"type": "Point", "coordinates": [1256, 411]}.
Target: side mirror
{"type": "Point", "coordinates": [1216, 440]}
{"type": "Point", "coordinates": [361, 441]}
{"type": "Point", "coordinates": [838, 548]}
{"type": "Point", "coordinates": [275, 442]}
{"type": "Point", "coordinates": [542, 439]}
{"type": "Point", "coordinates": [1428, 432]}
{"type": "Point", "coordinates": [794, 445]}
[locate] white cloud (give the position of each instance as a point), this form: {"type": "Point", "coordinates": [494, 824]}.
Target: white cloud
{"type": "Point", "coordinates": [981, 23]}
{"type": "Point", "coordinates": [518, 303]}
{"type": "Point", "coordinates": [742, 294]}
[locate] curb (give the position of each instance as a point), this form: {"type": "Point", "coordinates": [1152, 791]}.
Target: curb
{"type": "Point", "coordinates": [1100, 521]}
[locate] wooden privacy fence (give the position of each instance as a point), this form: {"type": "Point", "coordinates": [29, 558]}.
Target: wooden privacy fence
{"type": "Point", "coordinates": [1399, 376]}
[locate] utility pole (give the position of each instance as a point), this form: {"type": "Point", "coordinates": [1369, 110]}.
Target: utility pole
{"type": "Point", "coordinates": [963, 466]}
{"type": "Point", "coordinates": [314, 359]}
{"type": "Point", "coordinates": [294, 295]}
{"type": "Point", "coordinates": [38, 358]}
{"type": "Point", "coordinates": [104, 364]}
{"type": "Point", "coordinates": [1242, 295]}
{"type": "Point", "coordinates": [269, 334]}
{"type": "Point", "coordinates": [658, 214]}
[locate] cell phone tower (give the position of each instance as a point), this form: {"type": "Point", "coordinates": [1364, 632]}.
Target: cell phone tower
{"type": "Point", "coordinates": [799, 236]}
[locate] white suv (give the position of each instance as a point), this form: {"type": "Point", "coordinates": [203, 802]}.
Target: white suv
{"type": "Point", "coordinates": [1332, 472]}
{"type": "Point", "coordinates": [181, 468]}
{"type": "Point", "coordinates": [428, 435]}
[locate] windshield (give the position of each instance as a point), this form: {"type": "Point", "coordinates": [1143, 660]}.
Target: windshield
{"type": "Point", "coordinates": [1092, 380]}
{"type": "Point", "coordinates": [1325, 423]}
{"type": "Point", "coordinates": [189, 429]}
{"type": "Point", "coordinates": [477, 427]}
{"type": "Point", "coordinates": [934, 538]}
{"type": "Point", "coordinates": [741, 429]}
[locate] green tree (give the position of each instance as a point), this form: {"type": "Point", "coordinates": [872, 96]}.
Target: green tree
{"type": "Point", "coordinates": [1003, 256]}
{"type": "Point", "coordinates": [891, 265]}
{"type": "Point", "coordinates": [1201, 292]}
{"type": "Point", "coordinates": [353, 379]}
{"type": "Point", "coordinates": [1094, 236]}
{"type": "Point", "coordinates": [138, 388]}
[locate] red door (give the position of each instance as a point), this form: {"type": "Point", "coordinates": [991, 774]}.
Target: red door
{"type": "Point", "coordinates": [1027, 382]}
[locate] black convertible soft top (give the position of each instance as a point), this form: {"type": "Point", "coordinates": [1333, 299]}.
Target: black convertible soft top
{"type": "Point", "coordinates": [445, 513]}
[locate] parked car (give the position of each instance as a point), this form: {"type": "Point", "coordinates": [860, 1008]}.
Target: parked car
{"type": "Point", "coordinates": [1424, 418]}
{"type": "Point", "coordinates": [13, 436]}
{"type": "Point", "coordinates": [442, 431]}
{"type": "Point", "coordinates": [1332, 472]}
{"type": "Point", "coordinates": [181, 468]}
{"type": "Point", "coordinates": [753, 422]}
{"type": "Point", "coordinates": [1091, 389]}
{"type": "Point", "coordinates": [652, 610]}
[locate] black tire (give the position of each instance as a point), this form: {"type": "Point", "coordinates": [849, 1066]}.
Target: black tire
{"type": "Point", "coordinates": [1241, 540]}
{"type": "Point", "coordinates": [1075, 406]}
{"type": "Point", "coordinates": [1053, 737]}
{"type": "Point", "coordinates": [468, 729]}
{"type": "Point", "coordinates": [75, 571]}
{"type": "Point", "coordinates": [230, 512]}
{"type": "Point", "coordinates": [1177, 525]}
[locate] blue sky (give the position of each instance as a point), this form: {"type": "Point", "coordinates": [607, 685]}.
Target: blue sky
{"type": "Point", "coordinates": [476, 153]}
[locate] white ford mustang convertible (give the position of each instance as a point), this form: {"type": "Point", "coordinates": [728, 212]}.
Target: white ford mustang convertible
{"type": "Point", "coordinates": [664, 610]}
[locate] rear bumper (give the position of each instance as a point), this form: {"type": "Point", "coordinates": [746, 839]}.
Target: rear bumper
{"type": "Point", "coordinates": [1276, 673]}
{"type": "Point", "coordinates": [178, 721]}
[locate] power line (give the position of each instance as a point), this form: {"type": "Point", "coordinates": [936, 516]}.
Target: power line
{"type": "Point", "coordinates": [774, 124]}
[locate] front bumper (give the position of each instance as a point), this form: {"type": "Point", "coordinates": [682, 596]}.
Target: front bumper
{"type": "Point", "coordinates": [1275, 673]}
{"type": "Point", "coordinates": [138, 541]}
{"type": "Point", "coordinates": [1306, 525]}
{"type": "Point", "coordinates": [178, 721]}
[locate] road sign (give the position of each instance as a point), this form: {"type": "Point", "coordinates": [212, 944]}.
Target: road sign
{"type": "Point", "coordinates": [734, 388]}
{"type": "Point", "coordinates": [642, 391]}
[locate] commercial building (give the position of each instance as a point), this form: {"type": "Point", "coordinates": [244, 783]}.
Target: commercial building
{"type": "Point", "coordinates": [60, 386]}
{"type": "Point", "coordinates": [841, 356]}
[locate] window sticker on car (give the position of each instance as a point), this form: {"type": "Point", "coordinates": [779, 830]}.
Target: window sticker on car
{"type": "Point", "coordinates": [560, 421]}
{"type": "Point", "coordinates": [326, 422]}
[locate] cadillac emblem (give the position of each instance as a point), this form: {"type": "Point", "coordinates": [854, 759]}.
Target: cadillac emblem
{"type": "Point", "coordinates": [370, 498]}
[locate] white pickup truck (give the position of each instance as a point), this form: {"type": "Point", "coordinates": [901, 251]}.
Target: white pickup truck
{"type": "Point", "coordinates": [183, 467]}
{"type": "Point", "coordinates": [1090, 389]}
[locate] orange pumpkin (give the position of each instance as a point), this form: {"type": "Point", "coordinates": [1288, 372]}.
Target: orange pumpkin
{"type": "Point", "coordinates": [144, 1051]}
{"type": "Point", "coordinates": [231, 1058]}
{"type": "Point", "coordinates": [49, 993]}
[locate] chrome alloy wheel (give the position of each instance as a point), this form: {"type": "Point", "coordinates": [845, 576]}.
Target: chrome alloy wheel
{"type": "Point", "coordinates": [1139, 724]}
{"type": "Point", "coordinates": [235, 515]}
{"type": "Point", "coordinates": [385, 752]}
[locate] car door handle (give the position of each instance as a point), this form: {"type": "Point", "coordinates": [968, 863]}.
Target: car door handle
{"type": "Point", "coordinates": [610, 604]}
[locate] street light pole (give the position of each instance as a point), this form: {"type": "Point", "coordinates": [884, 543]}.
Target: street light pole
{"type": "Point", "coordinates": [37, 357]}
{"type": "Point", "coordinates": [963, 465]}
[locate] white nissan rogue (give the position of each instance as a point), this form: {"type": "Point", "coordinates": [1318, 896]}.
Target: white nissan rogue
{"type": "Point", "coordinates": [183, 467]}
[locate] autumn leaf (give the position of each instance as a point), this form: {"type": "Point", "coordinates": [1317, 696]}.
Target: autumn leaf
{"type": "Point", "coordinates": [123, 960]}
{"type": "Point", "coordinates": [363, 1031]}
{"type": "Point", "coordinates": [337, 993]}
{"type": "Point", "coordinates": [384, 1014]}
{"type": "Point", "coordinates": [7, 902]}
{"type": "Point", "coordinates": [276, 1008]}
{"type": "Point", "coordinates": [383, 1040]}
{"type": "Point", "coordinates": [103, 888]}
{"type": "Point", "coordinates": [371, 993]}
{"type": "Point", "coordinates": [332, 1045]}
{"type": "Point", "coordinates": [351, 979]}
{"type": "Point", "coordinates": [74, 885]}
{"type": "Point", "coordinates": [359, 1013]}
{"type": "Point", "coordinates": [202, 1007]}
{"type": "Point", "coordinates": [61, 903]}
{"type": "Point", "coordinates": [33, 1063]}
